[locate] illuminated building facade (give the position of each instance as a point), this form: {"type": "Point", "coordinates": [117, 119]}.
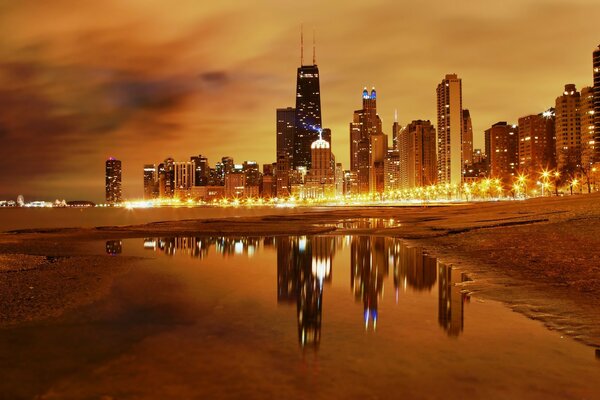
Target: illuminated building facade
{"type": "Point", "coordinates": [201, 170]}
{"type": "Point", "coordinates": [501, 145]}
{"type": "Point", "coordinates": [417, 155]}
{"type": "Point", "coordinates": [113, 181]}
{"type": "Point", "coordinates": [586, 114]}
{"type": "Point", "coordinates": [596, 70]}
{"type": "Point", "coordinates": [568, 129]}
{"type": "Point", "coordinates": [184, 173]}
{"type": "Point", "coordinates": [321, 174]}
{"type": "Point", "coordinates": [537, 145]}
{"type": "Point", "coordinates": [150, 182]}
{"type": "Point", "coordinates": [368, 145]}
{"type": "Point", "coordinates": [391, 170]}
{"type": "Point", "coordinates": [450, 126]}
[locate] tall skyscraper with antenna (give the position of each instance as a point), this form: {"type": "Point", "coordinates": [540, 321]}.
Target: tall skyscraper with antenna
{"type": "Point", "coordinates": [308, 109]}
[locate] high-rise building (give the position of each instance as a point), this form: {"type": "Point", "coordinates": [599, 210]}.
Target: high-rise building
{"type": "Point", "coordinates": [568, 129]}
{"type": "Point", "coordinates": [286, 130]}
{"type": "Point", "coordinates": [308, 113]}
{"type": "Point", "coordinates": [537, 146]}
{"type": "Point", "coordinates": [201, 170]}
{"type": "Point", "coordinates": [235, 183]}
{"type": "Point", "coordinates": [596, 66]}
{"type": "Point", "coordinates": [417, 155]}
{"type": "Point", "coordinates": [450, 126]}
{"type": "Point", "coordinates": [252, 172]}
{"type": "Point", "coordinates": [150, 182]}
{"type": "Point", "coordinates": [501, 145]}
{"type": "Point", "coordinates": [321, 175]}
{"type": "Point", "coordinates": [586, 115]}
{"type": "Point", "coordinates": [368, 145]}
{"type": "Point", "coordinates": [113, 181]}
{"type": "Point", "coordinates": [184, 173]}
{"type": "Point", "coordinates": [169, 178]}
{"type": "Point", "coordinates": [282, 176]}
{"type": "Point", "coordinates": [395, 130]}
{"type": "Point", "coordinates": [391, 170]}
{"type": "Point", "coordinates": [467, 138]}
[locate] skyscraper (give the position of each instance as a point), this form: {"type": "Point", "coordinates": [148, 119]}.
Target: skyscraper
{"type": "Point", "coordinates": [586, 115]}
{"type": "Point", "coordinates": [286, 129]}
{"type": "Point", "coordinates": [184, 175]}
{"type": "Point", "coordinates": [568, 129]}
{"type": "Point", "coordinates": [395, 131]}
{"type": "Point", "coordinates": [308, 111]}
{"type": "Point", "coordinates": [169, 177]}
{"type": "Point", "coordinates": [596, 65]}
{"type": "Point", "coordinates": [501, 145]}
{"type": "Point", "coordinates": [450, 126]}
{"type": "Point", "coordinates": [467, 138]}
{"type": "Point", "coordinates": [368, 145]}
{"type": "Point", "coordinates": [113, 181]}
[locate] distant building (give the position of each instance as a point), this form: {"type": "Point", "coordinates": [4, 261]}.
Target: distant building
{"type": "Point", "coordinates": [286, 130]}
{"type": "Point", "coordinates": [113, 181]}
{"type": "Point", "coordinates": [467, 138]}
{"type": "Point", "coordinates": [282, 176]}
{"type": "Point", "coordinates": [235, 182]}
{"type": "Point", "coordinates": [201, 170]}
{"type": "Point", "coordinates": [169, 178]}
{"type": "Point", "coordinates": [568, 129]}
{"type": "Point", "coordinates": [321, 175]}
{"type": "Point", "coordinates": [351, 186]}
{"type": "Point", "coordinates": [184, 172]}
{"type": "Point", "coordinates": [450, 126]}
{"type": "Point", "coordinates": [368, 145]}
{"type": "Point", "coordinates": [150, 182]}
{"type": "Point", "coordinates": [391, 170]}
{"type": "Point", "coordinates": [252, 172]}
{"type": "Point", "coordinates": [501, 145]}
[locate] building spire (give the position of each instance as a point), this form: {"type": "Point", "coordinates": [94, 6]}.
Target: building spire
{"type": "Point", "coordinates": [314, 51]}
{"type": "Point", "coordinates": [301, 45]}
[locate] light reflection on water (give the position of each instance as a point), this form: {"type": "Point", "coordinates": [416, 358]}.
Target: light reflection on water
{"type": "Point", "coordinates": [305, 268]}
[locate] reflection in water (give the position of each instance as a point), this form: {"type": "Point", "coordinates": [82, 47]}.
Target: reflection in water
{"type": "Point", "coordinates": [114, 247]}
{"type": "Point", "coordinates": [305, 265]}
{"type": "Point", "coordinates": [198, 247]}
{"type": "Point", "coordinates": [451, 300]}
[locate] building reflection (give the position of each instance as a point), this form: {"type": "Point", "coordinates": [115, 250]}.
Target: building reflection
{"type": "Point", "coordinates": [114, 247]}
{"type": "Point", "coordinates": [451, 300]}
{"type": "Point", "coordinates": [304, 265]}
{"type": "Point", "coordinates": [199, 247]}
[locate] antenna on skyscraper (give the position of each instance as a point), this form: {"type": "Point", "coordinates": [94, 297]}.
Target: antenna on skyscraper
{"type": "Point", "coordinates": [301, 45]}
{"type": "Point", "coordinates": [314, 52]}
{"type": "Point", "coordinates": [396, 115]}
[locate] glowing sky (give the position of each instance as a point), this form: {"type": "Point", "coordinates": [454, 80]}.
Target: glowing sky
{"type": "Point", "coordinates": [141, 80]}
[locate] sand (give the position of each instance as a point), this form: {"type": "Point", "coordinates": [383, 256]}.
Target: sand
{"type": "Point", "coordinates": [539, 256]}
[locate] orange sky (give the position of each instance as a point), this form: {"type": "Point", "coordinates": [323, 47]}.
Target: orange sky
{"type": "Point", "coordinates": [142, 80]}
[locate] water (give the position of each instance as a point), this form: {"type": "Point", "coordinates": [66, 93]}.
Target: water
{"type": "Point", "coordinates": [13, 218]}
{"type": "Point", "coordinates": [290, 317]}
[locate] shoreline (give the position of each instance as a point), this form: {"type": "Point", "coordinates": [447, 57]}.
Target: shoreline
{"type": "Point", "coordinates": [539, 256]}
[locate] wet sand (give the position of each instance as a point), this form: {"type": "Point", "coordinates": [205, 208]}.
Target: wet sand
{"type": "Point", "coordinates": [539, 256]}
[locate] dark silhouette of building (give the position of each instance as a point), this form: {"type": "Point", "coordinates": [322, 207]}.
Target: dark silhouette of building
{"type": "Point", "coordinates": [113, 181]}
{"type": "Point", "coordinates": [450, 300]}
{"type": "Point", "coordinates": [467, 138]}
{"type": "Point", "coordinates": [286, 131]}
{"type": "Point", "coordinates": [201, 170]}
{"type": "Point", "coordinates": [308, 111]}
{"type": "Point", "coordinates": [150, 182]}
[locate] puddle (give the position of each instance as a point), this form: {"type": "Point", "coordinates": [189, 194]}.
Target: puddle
{"type": "Point", "coordinates": [291, 317]}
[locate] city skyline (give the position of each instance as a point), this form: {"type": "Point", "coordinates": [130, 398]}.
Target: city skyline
{"type": "Point", "coordinates": [156, 103]}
